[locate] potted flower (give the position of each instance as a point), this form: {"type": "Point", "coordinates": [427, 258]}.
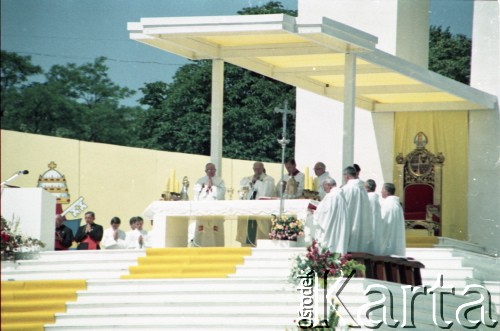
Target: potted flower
{"type": "Point", "coordinates": [286, 227]}
{"type": "Point", "coordinates": [315, 267]}
{"type": "Point", "coordinates": [323, 263]}
{"type": "Point", "coordinates": [15, 245]}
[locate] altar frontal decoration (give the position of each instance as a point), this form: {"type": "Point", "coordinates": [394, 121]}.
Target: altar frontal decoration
{"type": "Point", "coordinates": [286, 227]}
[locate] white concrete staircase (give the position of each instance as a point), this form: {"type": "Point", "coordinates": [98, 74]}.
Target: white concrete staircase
{"type": "Point", "coordinates": [73, 264]}
{"type": "Point", "coordinates": [256, 297]}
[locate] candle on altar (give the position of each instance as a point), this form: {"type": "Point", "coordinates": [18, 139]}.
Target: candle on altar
{"type": "Point", "coordinates": [167, 185]}
{"type": "Point", "coordinates": [172, 181]}
{"type": "Point", "coordinates": [306, 179]}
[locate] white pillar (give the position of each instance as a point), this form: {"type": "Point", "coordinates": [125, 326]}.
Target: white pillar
{"type": "Point", "coordinates": [217, 114]}
{"type": "Point", "coordinates": [349, 107]}
{"type": "Point", "coordinates": [484, 130]}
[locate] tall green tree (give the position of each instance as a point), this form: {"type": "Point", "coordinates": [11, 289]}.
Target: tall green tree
{"type": "Point", "coordinates": [449, 54]}
{"type": "Point", "coordinates": [81, 102]}
{"type": "Point", "coordinates": [15, 72]}
{"type": "Point", "coordinates": [78, 102]}
{"type": "Point", "coordinates": [272, 7]}
{"type": "Point", "coordinates": [178, 117]}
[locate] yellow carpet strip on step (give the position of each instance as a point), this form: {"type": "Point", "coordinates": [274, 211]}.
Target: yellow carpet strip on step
{"type": "Point", "coordinates": [206, 262]}
{"type": "Point", "coordinates": [28, 305]}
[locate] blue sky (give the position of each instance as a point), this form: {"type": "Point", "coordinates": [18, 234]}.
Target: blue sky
{"type": "Point", "coordinates": [78, 31]}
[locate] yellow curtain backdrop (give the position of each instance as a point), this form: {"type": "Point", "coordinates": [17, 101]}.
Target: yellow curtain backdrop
{"type": "Point", "coordinates": [447, 132]}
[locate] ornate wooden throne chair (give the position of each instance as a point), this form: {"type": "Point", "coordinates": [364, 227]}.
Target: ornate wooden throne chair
{"type": "Point", "coordinates": [420, 186]}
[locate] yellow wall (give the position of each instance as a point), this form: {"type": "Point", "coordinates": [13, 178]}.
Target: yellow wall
{"type": "Point", "coordinates": [114, 180]}
{"type": "Point", "coordinates": [122, 181]}
{"type": "Point", "coordinates": [447, 132]}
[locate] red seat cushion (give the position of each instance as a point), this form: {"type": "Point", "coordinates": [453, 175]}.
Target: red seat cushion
{"type": "Point", "coordinates": [417, 197]}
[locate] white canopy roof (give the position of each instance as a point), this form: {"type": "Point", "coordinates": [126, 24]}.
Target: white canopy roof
{"type": "Point", "coordinates": [312, 57]}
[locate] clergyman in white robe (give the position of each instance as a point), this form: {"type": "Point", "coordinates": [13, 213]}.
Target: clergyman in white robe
{"type": "Point", "coordinates": [293, 176]}
{"type": "Point", "coordinates": [321, 176]}
{"type": "Point", "coordinates": [332, 222]}
{"type": "Point", "coordinates": [209, 232]}
{"type": "Point", "coordinates": [254, 187]}
{"type": "Point", "coordinates": [378, 235]}
{"type": "Point", "coordinates": [135, 239]}
{"type": "Point", "coordinates": [393, 225]}
{"type": "Point", "coordinates": [113, 239]}
{"type": "Point", "coordinates": [359, 210]}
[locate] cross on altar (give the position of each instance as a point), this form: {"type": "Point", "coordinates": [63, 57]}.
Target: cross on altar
{"type": "Point", "coordinates": [283, 142]}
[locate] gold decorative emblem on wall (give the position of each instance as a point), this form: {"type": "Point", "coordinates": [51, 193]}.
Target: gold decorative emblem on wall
{"type": "Point", "coordinates": [54, 182]}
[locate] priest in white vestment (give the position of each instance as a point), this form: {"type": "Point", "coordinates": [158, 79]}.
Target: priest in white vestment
{"type": "Point", "coordinates": [292, 186]}
{"type": "Point", "coordinates": [393, 223]}
{"type": "Point", "coordinates": [378, 235]}
{"type": "Point", "coordinates": [331, 220]}
{"type": "Point", "coordinates": [137, 237]}
{"type": "Point", "coordinates": [321, 175]}
{"type": "Point", "coordinates": [209, 232]}
{"type": "Point", "coordinates": [359, 210]}
{"type": "Point", "coordinates": [113, 237]}
{"type": "Point", "coordinates": [254, 187]}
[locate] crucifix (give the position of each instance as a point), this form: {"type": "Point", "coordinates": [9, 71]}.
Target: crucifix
{"type": "Point", "coordinates": [283, 142]}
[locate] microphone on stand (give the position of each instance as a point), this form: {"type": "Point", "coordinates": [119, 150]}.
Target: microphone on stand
{"type": "Point", "coordinates": [21, 172]}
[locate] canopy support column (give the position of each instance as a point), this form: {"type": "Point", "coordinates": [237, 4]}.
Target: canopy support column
{"type": "Point", "coordinates": [217, 114]}
{"type": "Point", "coordinates": [349, 108]}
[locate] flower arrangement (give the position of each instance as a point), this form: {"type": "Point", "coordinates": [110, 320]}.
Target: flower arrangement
{"type": "Point", "coordinates": [324, 263]}
{"type": "Point", "coordinates": [13, 242]}
{"type": "Point", "coordinates": [286, 227]}
{"type": "Point", "coordinates": [319, 264]}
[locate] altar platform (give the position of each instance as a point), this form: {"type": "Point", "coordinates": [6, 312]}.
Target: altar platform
{"type": "Point", "coordinates": [171, 218]}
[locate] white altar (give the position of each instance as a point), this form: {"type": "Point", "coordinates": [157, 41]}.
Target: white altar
{"type": "Point", "coordinates": [171, 218]}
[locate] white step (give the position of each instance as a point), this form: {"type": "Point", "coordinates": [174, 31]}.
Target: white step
{"type": "Point", "coordinates": [256, 297]}
{"type": "Point", "coordinates": [201, 320]}
{"type": "Point", "coordinates": [39, 265]}
{"type": "Point", "coordinates": [50, 275]}
{"type": "Point", "coordinates": [104, 254]}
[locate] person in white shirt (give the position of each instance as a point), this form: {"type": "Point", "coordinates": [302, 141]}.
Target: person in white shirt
{"type": "Point", "coordinates": [393, 223]}
{"type": "Point", "coordinates": [209, 232]}
{"type": "Point", "coordinates": [254, 187]}
{"type": "Point", "coordinates": [113, 237]}
{"type": "Point", "coordinates": [321, 175]}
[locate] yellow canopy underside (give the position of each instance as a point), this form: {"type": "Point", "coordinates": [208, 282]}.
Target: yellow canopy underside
{"type": "Point", "coordinates": [312, 57]}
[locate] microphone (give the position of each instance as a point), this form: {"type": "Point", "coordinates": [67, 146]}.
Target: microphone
{"type": "Point", "coordinates": [21, 172]}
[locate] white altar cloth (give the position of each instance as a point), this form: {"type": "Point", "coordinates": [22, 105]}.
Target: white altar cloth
{"type": "Point", "coordinates": [171, 218]}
